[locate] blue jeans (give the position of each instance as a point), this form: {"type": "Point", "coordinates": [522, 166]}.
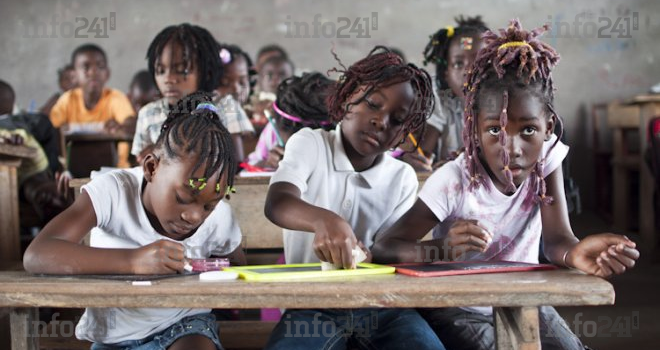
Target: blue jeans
{"type": "Point", "coordinates": [353, 328]}
{"type": "Point", "coordinates": [201, 324]}
{"type": "Point", "coordinates": [461, 329]}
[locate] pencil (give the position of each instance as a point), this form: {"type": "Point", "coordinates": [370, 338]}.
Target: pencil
{"type": "Point", "coordinates": [419, 150]}
{"type": "Point", "coordinates": [280, 141]}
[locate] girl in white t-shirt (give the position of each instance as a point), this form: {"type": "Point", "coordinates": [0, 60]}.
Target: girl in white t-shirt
{"type": "Point", "coordinates": [149, 220]}
{"type": "Point", "coordinates": [503, 195]}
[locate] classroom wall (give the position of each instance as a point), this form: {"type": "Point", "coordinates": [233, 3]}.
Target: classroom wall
{"type": "Point", "coordinates": [593, 69]}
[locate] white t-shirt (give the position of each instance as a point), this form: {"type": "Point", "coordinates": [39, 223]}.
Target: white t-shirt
{"type": "Point", "coordinates": [447, 118]}
{"type": "Point", "coordinates": [122, 223]}
{"type": "Point", "coordinates": [514, 222]}
{"type": "Point", "coordinates": [370, 201]}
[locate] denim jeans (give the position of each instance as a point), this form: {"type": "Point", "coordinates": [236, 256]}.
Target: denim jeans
{"type": "Point", "coordinates": [201, 324]}
{"type": "Point", "coordinates": [336, 329]}
{"type": "Point", "coordinates": [461, 329]}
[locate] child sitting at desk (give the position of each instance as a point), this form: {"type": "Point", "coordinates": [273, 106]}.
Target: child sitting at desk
{"type": "Point", "coordinates": [300, 103]}
{"type": "Point", "coordinates": [335, 190]}
{"type": "Point", "coordinates": [505, 193]}
{"type": "Point", "coordinates": [149, 220]}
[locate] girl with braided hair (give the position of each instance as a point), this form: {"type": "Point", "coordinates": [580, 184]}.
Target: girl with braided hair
{"type": "Point", "coordinates": [300, 103]}
{"type": "Point", "coordinates": [503, 195]}
{"type": "Point", "coordinates": [149, 220]}
{"type": "Point", "coordinates": [335, 191]}
{"type": "Point", "coordinates": [452, 51]}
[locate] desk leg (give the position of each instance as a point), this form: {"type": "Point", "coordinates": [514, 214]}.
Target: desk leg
{"type": "Point", "coordinates": [23, 321]}
{"type": "Point", "coordinates": [517, 328]}
{"type": "Point", "coordinates": [10, 240]}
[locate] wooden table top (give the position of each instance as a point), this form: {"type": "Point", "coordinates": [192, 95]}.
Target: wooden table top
{"type": "Point", "coordinates": [18, 151]}
{"type": "Point", "coordinates": [558, 288]}
{"type": "Point", "coordinates": [97, 137]}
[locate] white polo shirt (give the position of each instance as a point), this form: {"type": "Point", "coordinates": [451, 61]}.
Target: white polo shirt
{"type": "Point", "coordinates": [370, 201]}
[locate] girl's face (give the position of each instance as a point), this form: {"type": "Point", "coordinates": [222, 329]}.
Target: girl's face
{"type": "Point", "coordinates": [175, 78]}
{"type": "Point", "coordinates": [272, 74]}
{"type": "Point", "coordinates": [375, 124]}
{"type": "Point", "coordinates": [460, 57]}
{"type": "Point", "coordinates": [92, 71]}
{"type": "Point", "coordinates": [528, 126]}
{"type": "Point", "coordinates": [235, 80]}
{"type": "Point", "coordinates": [176, 210]}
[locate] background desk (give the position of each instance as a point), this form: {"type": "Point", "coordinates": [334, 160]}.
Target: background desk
{"type": "Point", "coordinates": [515, 296]}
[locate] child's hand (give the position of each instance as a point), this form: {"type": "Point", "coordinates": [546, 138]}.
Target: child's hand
{"type": "Point", "coordinates": [62, 180]}
{"type": "Point", "coordinates": [366, 251]}
{"type": "Point", "coordinates": [418, 162]}
{"type": "Point", "coordinates": [274, 157]}
{"type": "Point", "coordinates": [603, 254]}
{"type": "Point", "coordinates": [334, 240]}
{"type": "Point", "coordinates": [160, 257]}
{"type": "Point", "coordinates": [463, 236]}
{"type": "Point", "coordinates": [112, 127]}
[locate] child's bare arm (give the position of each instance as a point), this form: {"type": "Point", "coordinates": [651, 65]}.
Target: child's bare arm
{"type": "Point", "coordinates": [601, 254]}
{"type": "Point", "coordinates": [334, 238]}
{"type": "Point", "coordinates": [58, 249]}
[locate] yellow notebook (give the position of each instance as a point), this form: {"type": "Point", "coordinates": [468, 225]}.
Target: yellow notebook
{"type": "Point", "coordinates": [301, 271]}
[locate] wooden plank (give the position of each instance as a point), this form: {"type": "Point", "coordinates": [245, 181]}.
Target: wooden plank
{"type": "Point", "coordinates": [18, 151]}
{"type": "Point", "coordinates": [517, 328]}
{"type": "Point", "coordinates": [559, 288]}
{"type": "Point", "coordinates": [22, 327]}
{"type": "Point", "coordinates": [10, 240]}
{"type": "Point", "coordinates": [622, 116]}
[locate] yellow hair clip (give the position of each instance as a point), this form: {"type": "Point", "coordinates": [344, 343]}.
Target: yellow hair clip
{"type": "Point", "coordinates": [514, 44]}
{"type": "Point", "coordinates": [450, 31]}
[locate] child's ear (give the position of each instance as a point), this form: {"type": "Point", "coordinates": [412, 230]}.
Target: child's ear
{"type": "Point", "coordinates": [149, 166]}
{"type": "Point", "coordinates": [550, 127]}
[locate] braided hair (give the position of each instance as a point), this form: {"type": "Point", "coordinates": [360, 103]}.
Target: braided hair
{"type": "Point", "coordinates": [382, 68]}
{"type": "Point", "coordinates": [194, 129]}
{"type": "Point", "coordinates": [304, 98]}
{"type": "Point", "coordinates": [511, 62]}
{"type": "Point", "coordinates": [200, 50]}
{"type": "Point", "coordinates": [437, 49]}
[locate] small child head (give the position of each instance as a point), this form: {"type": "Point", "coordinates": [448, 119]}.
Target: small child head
{"type": "Point", "coordinates": [273, 71]}
{"type": "Point", "coordinates": [268, 51]}
{"type": "Point", "coordinates": [235, 79]}
{"type": "Point", "coordinates": [91, 66]}
{"type": "Point", "coordinates": [142, 89]}
{"type": "Point", "coordinates": [184, 59]}
{"type": "Point", "coordinates": [509, 109]}
{"type": "Point", "coordinates": [191, 168]}
{"type": "Point", "coordinates": [453, 50]}
{"type": "Point", "coordinates": [301, 103]}
{"type": "Point", "coordinates": [66, 78]}
{"type": "Point", "coordinates": [379, 100]}
{"type": "Point", "coordinates": [7, 98]}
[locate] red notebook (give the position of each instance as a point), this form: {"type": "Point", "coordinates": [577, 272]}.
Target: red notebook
{"type": "Point", "coordinates": [443, 268]}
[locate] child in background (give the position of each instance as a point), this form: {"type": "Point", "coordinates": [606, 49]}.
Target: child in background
{"type": "Point", "coordinates": [258, 101]}
{"type": "Point", "coordinates": [182, 60]}
{"type": "Point", "coordinates": [505, 193]}
{"type": "Point", "coordinates": [149, 220]}
{"type": "Point", "coordinates": [66, 80]}
{"type": "Point", "coordinates": [91, 101]}
{"type": "Point", "coordinates": [272, 72]}
{"type": "Point", "coordinates": [142, 90]}
{"type": "Point", "coordinates": [452, 50]}
{"type": "Point", "coordinates": [268, 51]}
{"type": "Point", "coordinates": [232, 92]}
{"type": "Point", "coordinates": [335, 190]}
{"type": "Point", "coordinates": [300, 103]}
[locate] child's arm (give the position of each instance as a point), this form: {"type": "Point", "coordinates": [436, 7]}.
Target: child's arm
{"type": "Point", "coordinates": [600, 255]}
{"type": "Point", "coordinates": [58, 249]}
{"type": "Point", "coordinates": [334, 238]}
{"type": "Point", "coordinates": [400, 242]}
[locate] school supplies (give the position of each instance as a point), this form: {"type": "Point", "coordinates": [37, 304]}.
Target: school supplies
{"type": "Point", "coordinates": [442, 268]}
{"type": "Point", "coordinates": [203, 265]}
{"type": "Point", "coordinates": [215, 276]}
{"type": "Point", "coordinates": [303, 271]}
{"type": "Point", "coordinates": [280, 141]}
{"type": "Point", "coordinates": [414, 141]}
{"type": "Point", "coordinates": [358, 257]}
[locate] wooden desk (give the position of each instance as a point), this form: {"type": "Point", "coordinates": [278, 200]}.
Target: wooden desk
{"type": "Point", "coordinates": [636, 114]}
{"type": "Point", "coordinates": [91, 151]}
{"type": "Point", "coordinates": [10, 160]}
{"type": "Point", "coordinates": [515, 296]}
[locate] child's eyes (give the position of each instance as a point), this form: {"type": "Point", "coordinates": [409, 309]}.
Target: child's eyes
{"type": "Point", "coordinates": [372, 105]}
{"type": "Point", "coordinates": [458, 65]}
{"type": "Point", "coordinates": [494, 130]}
{"type": "Point", "coordinates": [181, 200]}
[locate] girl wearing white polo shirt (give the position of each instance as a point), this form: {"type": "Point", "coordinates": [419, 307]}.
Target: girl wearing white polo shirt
{"type": "Point", "coordinates": [334, 190]}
